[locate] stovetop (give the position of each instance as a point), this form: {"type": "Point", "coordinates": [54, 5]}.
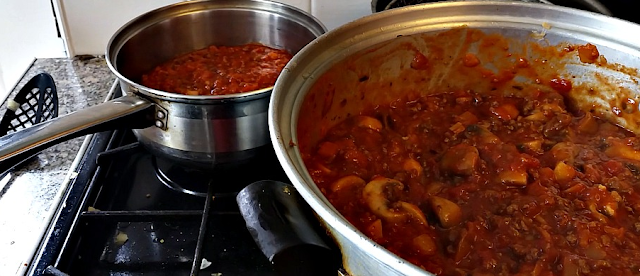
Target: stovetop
{"type": "Point", "coordinates": [127, 212]}
{"type": "Point", "coordinates": [132, 223]}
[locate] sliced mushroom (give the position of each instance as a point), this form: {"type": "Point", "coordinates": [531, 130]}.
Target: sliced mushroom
{"type": "Point", "coordinates": [369, 122]}
{"type": "Point", "coordinates": [564, 152]}
{"type": "Point", "coordinates": [434, 188]}
{"type": "Point", "coordinates": [534, 146]}
{"type": "Point", "coordinates": [542, 112]}
{"type": "Point", "coordinates": [552, 108]}
{"type": "Point", "coordinates": [413, 211]}
{"type": "Point", "coordinates": [537, 116]}
{"type": "Point", "coordinates": [412, 166]}
{"type": "Point", "coordinates": [482, 134]}
{"type": "Point", "coordinates": [460, 159]}
{"type": "Point", "coordinates": [449, 213]}
{"type": "Point", "coordinates": [347, 182]}
{"type": "Point", "coordinates": [592, 206]}
{"type": "Point", "coordinates": [425, 244]}
{"type": "Point", "coordinates": [375, 195]}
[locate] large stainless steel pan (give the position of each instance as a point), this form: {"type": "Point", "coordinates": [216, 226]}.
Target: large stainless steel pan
{"type": "Point", "coordinates": [379, 34]}
{"type": "Point", "coordinates": [199, 130]}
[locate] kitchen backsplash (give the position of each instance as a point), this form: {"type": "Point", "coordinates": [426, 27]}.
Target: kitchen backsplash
{"type": "Point", "coordinates": [89, 24]}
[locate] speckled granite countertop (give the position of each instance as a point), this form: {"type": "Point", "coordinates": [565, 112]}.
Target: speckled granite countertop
{"type": "Point", "coordinates": [30, 194]}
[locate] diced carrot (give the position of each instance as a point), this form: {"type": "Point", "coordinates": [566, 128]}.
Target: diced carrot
{"type": "Point", "coordinates": [506, 112]}
{"type": "Point", "coordinates": [467, 118]}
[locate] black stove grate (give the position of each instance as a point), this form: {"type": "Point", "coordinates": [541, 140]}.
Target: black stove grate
{"type": "Point", "coordinates": [127, 213]}
{"type": "Point", "coordinates": [132, 224]}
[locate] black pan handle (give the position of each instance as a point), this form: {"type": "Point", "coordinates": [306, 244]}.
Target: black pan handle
{"type": "Point", "coordinates": [283, 226]}
{"type": "Point", "coordinates": [123, 112]}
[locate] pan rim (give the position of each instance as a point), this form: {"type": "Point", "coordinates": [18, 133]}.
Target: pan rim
{"type": "Point", "coordinates": [284, 110]}
{"type": "Point", "coordinates": [141, 22]}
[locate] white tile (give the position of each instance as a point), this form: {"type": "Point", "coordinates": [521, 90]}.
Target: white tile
{"type": "Point", "coordinates": [334, 13]}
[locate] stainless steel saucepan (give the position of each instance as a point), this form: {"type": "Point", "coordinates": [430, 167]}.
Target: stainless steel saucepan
{"type": "Point", "coordinates": [367, 63]}
{"type": "Point", "coordinates": [194, 130]}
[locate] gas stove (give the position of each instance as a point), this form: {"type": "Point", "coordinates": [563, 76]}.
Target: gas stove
{"type": "Point", "coordinates": [127, 212]}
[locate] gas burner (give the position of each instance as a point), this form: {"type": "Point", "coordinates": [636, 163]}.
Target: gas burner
{"type": "Point", "coordinates": [182, 179]}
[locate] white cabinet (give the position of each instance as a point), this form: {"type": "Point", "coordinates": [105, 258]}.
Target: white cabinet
{"type": "Point", "coordinates": [28, 31]}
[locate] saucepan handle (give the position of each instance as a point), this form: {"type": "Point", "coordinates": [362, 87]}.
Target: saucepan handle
{"type": "Point", "coordinates": [123, 112]}
{"type": "Point", "coordinates": [283, 227]}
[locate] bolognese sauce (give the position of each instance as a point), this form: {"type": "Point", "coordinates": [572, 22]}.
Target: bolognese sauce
{"type": "Point", "coordinates": [466, 183]}
{"type": "Point", "coordinates": [219, 70]}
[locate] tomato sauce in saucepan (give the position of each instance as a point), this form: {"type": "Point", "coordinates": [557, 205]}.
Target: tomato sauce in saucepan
{"type": "Point", "coordinates": [471, 183]}
{"type": "Point", "coordinates": [219, 70]}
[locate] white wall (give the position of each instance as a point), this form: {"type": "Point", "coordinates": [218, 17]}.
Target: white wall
{"type": "Point", "coordinates": [3, 89]}
{"type": "Point", "coordinates": [28, 31]}
{"type": "Point", "coordinates": [89, 24]}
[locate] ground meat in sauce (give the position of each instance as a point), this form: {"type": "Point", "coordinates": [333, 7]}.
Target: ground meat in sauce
{"type": "Point", "coordinates": [490, 186]}
{"type": "Point", "coordinates": [219, 70]}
